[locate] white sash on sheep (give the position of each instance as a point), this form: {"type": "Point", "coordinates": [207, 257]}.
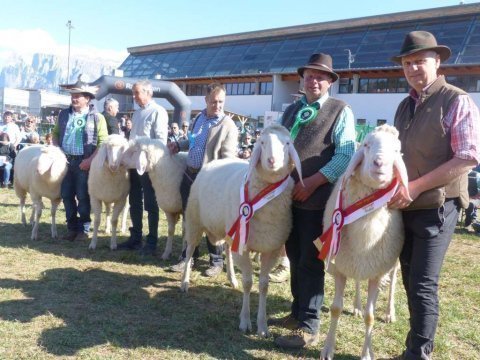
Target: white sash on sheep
{"type": "Point", "coordinates": [238, 234]}
{"type": "Point", "coordinates": [328, 243]}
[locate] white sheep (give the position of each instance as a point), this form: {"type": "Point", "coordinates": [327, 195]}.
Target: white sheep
{"type": "Point", "coordinates": [369, 246]}
{"type": "Point", "coordinates": [165, 172]}
{"type": "Point", "coordinates": [39, 170]}
{"type": "Point", "coordinates": [108, 182]}
{"type": "Point", "coordinates": [214, 205]}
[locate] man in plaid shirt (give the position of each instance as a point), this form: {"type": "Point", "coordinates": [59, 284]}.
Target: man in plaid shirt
{"type": "Point", "coordinates": [439, 129]}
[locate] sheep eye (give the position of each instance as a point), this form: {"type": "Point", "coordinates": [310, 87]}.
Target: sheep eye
{"type": "Point", "coordinates": [262, 142]}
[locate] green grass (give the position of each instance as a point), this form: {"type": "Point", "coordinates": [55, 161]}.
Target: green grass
{"type": "Point", "coordinates": [60, 300]}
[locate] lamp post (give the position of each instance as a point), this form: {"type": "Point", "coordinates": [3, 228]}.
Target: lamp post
{"type": "Point", "coordinates": [351, 57]}
{"type": "Point", "coordinates": [70, 27]}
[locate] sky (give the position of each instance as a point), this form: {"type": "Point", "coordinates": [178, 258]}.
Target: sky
{"type": "Point", "coordinates": [106, 28]}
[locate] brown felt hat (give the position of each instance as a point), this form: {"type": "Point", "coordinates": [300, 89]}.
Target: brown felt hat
{"type": "Point", "coordinates": [81, 87]}
{"type": "Point", "coordinates": [416, 41]}
{"type": "Point", "coordinates": [321, 62]}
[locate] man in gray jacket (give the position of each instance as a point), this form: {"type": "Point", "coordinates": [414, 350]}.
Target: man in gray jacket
{"type": "Point", "coordinates": [214, 136]}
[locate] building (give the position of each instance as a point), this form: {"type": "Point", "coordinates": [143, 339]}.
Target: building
{"type": "Point", "coordinates": [259, 68]}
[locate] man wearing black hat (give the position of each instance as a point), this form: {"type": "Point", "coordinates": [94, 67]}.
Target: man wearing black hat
{"type": "Point", "coordinates": [323, 131]}
{"type": "Point", "coordinates": [439, 130]}
{"type": "Point", "coordinates": [79, 131]}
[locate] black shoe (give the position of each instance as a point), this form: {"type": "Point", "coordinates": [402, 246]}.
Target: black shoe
{"type": "Point", "coordinates": [130, 245]}
{"type": "Point", "coordinates": [148, 250]}
{"type": "Point", "coordinates": [470, 214]}
{"type": "Point", "coordinates": [69, 236]}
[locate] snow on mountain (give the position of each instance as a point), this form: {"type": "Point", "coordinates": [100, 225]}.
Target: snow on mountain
{"type": "Point", "coordinates": [47, 71]}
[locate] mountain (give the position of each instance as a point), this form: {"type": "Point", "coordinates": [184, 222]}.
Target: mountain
{"type": "Point", "coordinates": [47, 71]}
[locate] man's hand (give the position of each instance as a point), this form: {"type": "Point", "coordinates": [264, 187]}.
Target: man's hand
{"type": "Point", "coordinates": [85, 164]}
{"type": "Point", "coordinates": [403, 198]}
{"type": "Point", "coordinates": [302, 193]}
{"type": "Point", "coordinates": [173, 147]}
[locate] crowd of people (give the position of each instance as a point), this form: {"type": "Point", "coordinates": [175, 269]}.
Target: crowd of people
{"type": "Point", "coordinates": [439, 130]}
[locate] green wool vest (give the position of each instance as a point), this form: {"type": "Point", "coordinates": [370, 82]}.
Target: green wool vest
{"type": "Point", "coordinates": [315, 147]}
{"type": "Point", "coordinates": [426, 145]}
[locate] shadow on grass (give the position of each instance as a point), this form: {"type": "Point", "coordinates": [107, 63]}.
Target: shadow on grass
{"type": "Point", "coordinates": [97, 307]}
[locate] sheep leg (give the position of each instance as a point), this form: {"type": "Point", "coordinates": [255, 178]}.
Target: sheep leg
{"type": "Point", "coordinates": [32, 214]}
{"type": "Point", "coordinates": [97, 213]}
{"type": "Point", "coordinates": [390, 315]}
{"type": "Point", "coordinates": [373, 287]}
{"type": "Point", "coordinates": [172, 220]}
{"type": "Point", "coordinates": [357, 303]}
{"type": "Point", "coordinates": [22, 209]}
{"type": "Point", "coordinates": [108, 220]}
{"type": "Point", "coordinates": [193, 234]}
{"type": "Point", "coordinates": [335, 311]}
{"type": "Point", "coordinates": [268, 261]}
{"type": "Point", "coordinates": [124, 217]}
{"type": "Point", "coordinates": [53, 213]}
{"type": "Point", "coordinates": [245, 265]}
{"type": "Point", "coordinates": [117, 209]}
{"type": "Point", "coordinates": [230, 269]}
{"type": "Point", "coordinates": [37, 206]}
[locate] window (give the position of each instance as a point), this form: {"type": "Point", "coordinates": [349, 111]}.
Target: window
{"type": "Point", "coordinates": [266, 88]}
{"type": "Point", "coordinates": [345, 86]}
{"type": "Point", "coordinates": [383, 85]}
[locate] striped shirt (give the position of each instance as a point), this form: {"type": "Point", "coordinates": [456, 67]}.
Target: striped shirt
{"type": "Point", "coordinates": [462, 121]}
{"type": "Point", "coordinates": [344, 139]}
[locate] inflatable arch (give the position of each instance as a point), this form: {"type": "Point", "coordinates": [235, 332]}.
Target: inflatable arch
{"type": "Point", "coordinates": [163, 89]}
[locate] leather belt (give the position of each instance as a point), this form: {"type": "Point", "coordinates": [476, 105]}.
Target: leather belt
{"type": "Point", "coordinates": [192, 170]}
{"type": "Point", "coordinates": [73, 157]}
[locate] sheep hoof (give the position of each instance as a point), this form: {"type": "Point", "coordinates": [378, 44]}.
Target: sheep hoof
{"type": "Point", "coordinates": [263, 333]}
{"type": "Point", "coordinates": [91, 246]}
{"type": "Point", "coordinates": [390, 318]}
{"type": "Point", "coordinates": [184, 287]}
{"type": "Point", "coordinates": [326, 354]}
{"type": "Point", "coordinates": [234, 283]}
{"type": "Point", "coordinates": [245, 327]}
{"type": "Point", "coordinates": [113, 247]}
{"type": "Point", "coordinates": [358, 313]}
{"type": "Point", "coordinates": [165, 256]}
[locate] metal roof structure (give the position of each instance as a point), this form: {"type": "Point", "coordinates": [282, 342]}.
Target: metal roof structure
{"type": "Point", "coordinates": [370, 40]}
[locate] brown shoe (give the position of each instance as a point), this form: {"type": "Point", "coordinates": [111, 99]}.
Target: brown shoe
{"type": "Point", "coordinates": [298, 339]}
{"type": "Point", "coordinates": [69, 236]}
{"type": "Point", "coordinates": [287, 322]}
{"type": "Point", "coordinates": [81, 236]}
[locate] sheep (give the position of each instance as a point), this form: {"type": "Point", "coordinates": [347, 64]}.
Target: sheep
{"type": "Point", "coordinates": [369, 246]}
{"type": "Point", "coordinates": [108, 182]}
{"type": "Point", "coordinates": [214, 204]}
{"type": "Point", "coordinates": [165, 172]}
{"type": "Point", "coordinates": [39, 170]}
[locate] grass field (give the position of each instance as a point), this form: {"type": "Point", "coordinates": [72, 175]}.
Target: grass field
{"type": "Point", "coordinates": [60, 300]}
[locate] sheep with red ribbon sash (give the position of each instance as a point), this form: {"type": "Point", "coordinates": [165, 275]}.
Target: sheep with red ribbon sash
{"type": "Point", "coordinates": [362, 237]}
{"type": "Point", "coordinates": [249, 205]}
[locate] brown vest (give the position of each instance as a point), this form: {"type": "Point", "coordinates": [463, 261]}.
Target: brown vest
{"type": "Point", "coordinates": [426, 145]}
{"type": "Point", "coordinates": [315, 147]}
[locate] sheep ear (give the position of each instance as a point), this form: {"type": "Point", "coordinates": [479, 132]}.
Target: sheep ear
{"type": "Point", "coordinates": [141, 164]}
{"type": "Point", "coordinates": [296, 160]}
{"type": "Point", "coordinates": [254, 159]}
{"type": "Point", "coordinates": [401, 170]}
{"type": "Point", "coordinates": [102, 156]}
{"type": "Point", "coordinates": [356, 160]}
{"type": "Point", "coordinates": [44, 163]}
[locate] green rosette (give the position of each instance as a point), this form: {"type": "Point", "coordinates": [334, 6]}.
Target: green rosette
{"type": "Point", "coordinates": [304, 117]}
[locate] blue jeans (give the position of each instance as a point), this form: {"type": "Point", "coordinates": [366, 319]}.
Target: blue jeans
{"type": "Point", "coordinates": [307, 273]}
{"type": "Point", "coordinates": [215, 251]}
{"type": "Point", "coordinates": [74, 192]}
{"type": "Point", "coordinates": [7, 168]}
{"type": "Point", "coordinates": [427, 236]}
{"type": "Point", "coordinates": [141, 191]}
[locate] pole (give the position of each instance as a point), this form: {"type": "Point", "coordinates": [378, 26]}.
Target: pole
{"type": "Point", "coordinates": [70, 27]}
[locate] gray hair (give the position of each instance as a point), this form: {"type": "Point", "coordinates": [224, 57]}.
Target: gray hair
{"type": "Point", "coordinates": [110, 101]}
{"type": "Point", "coordinates": [145, 85]}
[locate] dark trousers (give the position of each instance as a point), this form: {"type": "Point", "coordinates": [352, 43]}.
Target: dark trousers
{"type": "Point", "coordinates": [427, 236]}
{"type": "Point", "coordinates": [141, 192]}
{"type": "Point", "coordinates": [74, 192]}
{"type": "Point", "coordinates": [306, 271]}
{"type": "Point", "coordinates": [216, 257]}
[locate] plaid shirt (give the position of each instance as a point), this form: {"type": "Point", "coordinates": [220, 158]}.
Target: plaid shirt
{"type": "Point", "coordinates": [462, 121]}
{"type": "Point", "coordinates": [198, 138]}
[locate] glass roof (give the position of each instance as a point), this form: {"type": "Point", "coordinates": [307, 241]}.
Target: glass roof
{"type": "Point", "coordinates": [372, 47]}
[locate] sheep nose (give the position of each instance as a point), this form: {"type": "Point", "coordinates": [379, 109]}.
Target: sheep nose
{"type": "Point", "coordinates": [271, 160]}
{"type": "Point", "coordinates": [378, 162]}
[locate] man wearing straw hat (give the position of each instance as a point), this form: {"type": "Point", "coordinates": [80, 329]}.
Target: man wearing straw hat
{"type": "Point", "coordinates": [79, 131]}
{"type": "Point", "coordinates": [323, 131]}
{"type": "Point", "coordinates": [439, 130]}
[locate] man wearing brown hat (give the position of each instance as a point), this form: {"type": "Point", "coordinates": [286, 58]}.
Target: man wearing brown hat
{"type": "Point", "coordinates": [439, 130]}
{"type": "Point", "coordinates": [79, 131]}
{"type": "Point", "coordinates": [323, 131]}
